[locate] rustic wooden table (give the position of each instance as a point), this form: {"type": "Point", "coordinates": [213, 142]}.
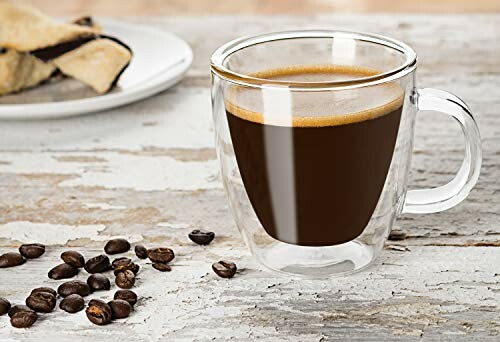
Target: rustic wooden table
{"type": "Point", "coordinates": [148, 172]}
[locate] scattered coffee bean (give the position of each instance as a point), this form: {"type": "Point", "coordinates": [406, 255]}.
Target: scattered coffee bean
{"type": "Point", "coordinates": [63, 271]}
{"type": "Point", "coordinates": [72, 303]}
{"type": "Point", "coordinates": [125, 279]}
{"type": "Point", "coordinates": [98, 312]}
{"type": "Point", "coordinates": [44, 289]}
{"type": "Point", "coordinates": [73, 258]}
{"type": "Point", "coordinates": [123, 264]}
{"type": "Point", "coordinates": [32, 250]}
{"type": "Point", "coordinates": [201, 237]}
{"type": "Point", "coordinates": [120, 261]}
{"type": "Point", "coordinates": [224, 269]}
{"type": "Point", "coordinates": [98, 281]}
{"type": "Point", "coordinates": [397, 235]}
{"type": "Point", "coordinates": [161, 267]}
{"type": "Point", "coordinates": [23, 319]}
{"type": "Point", "coordinates": [4, 306]}
{"type": "Point", "coordinates": [11, 259]}
{"type": "Point", "coordinates": [126, 295]}
{"type": "Point", "coordinates": [97, 264]}
{"type": "Point", "coordinates": [41, 301]}
{"type": "Point", "coordinates": [116, 246]}
{"type": "Point", "coordinates": [141, 251]}
{"type": "Point", "coordinates": [120, 308]}
{"type": "Point", "coordinates": [18, 308]}
{"type": "Point", "coordinates": [161, 254]}
{"type": "Point", "coordinates": [72, 287]}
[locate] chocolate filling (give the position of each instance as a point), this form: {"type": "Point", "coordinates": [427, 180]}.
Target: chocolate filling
{"type": "Point", "coordinates": [54, 51]}
{"type": "Point", "coordinates": [84, 21]}
{"type": "Point", "coordinates": [117, 41]}
{"type": "Point", "coordinates": [115, 81]}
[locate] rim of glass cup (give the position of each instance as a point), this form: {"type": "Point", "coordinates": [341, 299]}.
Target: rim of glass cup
{"type": "Point", "coordinates": [226, 50]}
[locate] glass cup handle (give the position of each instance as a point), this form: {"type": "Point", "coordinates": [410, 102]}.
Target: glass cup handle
{"type": "Point", "coordinates": [449, 195]}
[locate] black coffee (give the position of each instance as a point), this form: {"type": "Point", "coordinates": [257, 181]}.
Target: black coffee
{"type": "Point", "coordinates": [314, 174]}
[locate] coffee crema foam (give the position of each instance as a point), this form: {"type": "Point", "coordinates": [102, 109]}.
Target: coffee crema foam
{"type": "Point", "coordinates": [289, 108]}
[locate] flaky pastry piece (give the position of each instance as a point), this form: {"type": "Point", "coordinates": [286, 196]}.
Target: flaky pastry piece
{"type": "Point", "coordinates": [98, 63]}
{"type": "Point", "coordinates": [37, 44]}
{"type": "Point", "coordinates": [20, 70]}
{"type": "Point", "coordinates": [24, 28]}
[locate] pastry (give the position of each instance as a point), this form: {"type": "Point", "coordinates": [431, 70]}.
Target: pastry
{"type": "Point", "coordinates": [20, 70]}
{"type": "Point", "coordinates": [100, 73]}
{"type": "Point", "coordinates": [26, 29]}
{"type": "Point", "coordinates": [33, 47]}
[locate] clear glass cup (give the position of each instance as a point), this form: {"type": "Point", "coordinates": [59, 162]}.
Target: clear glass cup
{"type": "Point", "coordinates": [316, 166]}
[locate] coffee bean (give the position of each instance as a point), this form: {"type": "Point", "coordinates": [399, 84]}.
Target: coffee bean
{"type": "Point", "coordinates": [4, 306]}
{"type": "Point", "coordinates": [161, 254]}
{"type": "Point", "coordinates": [201, 237]}
{"type": "Point", "coordinates": [63, 271]}
{"type": "Point", "coordinates": [123, 264]}
{"type": "Point", "coordinates": [72, 287]}
{"type": "Point", "coordinates": [397, 235]}
{"type": "Point", "coordinates": [120, 261]}
{"type": "Point", "coordinates": [116, 246]}
{"type": "Point", "coordinates": [141, 251]}
{"type": "Point", "coordinates": [125, 279]}
{"type": "Point", "coordinates": [32, 250]}
{"type": "Point", "coordinates": [18, 308]}
{"type": "Point", "coordinates": [161, 267]}
{"type": "Point", "coordinates": [98, 281]}
{"type": "Point", "coordinates": [73, 258]}
{"type": "Point", "coordinates": [73, 303]}
{"type": "Point", "coordinates": [120, 308]}
{"type": "Point", "coordinates": [11, 259]}
{"type": "Point", "coordinates": [44, 289]}
{"type": "Point", "coordinates": [126, 295]}
{"type": "Point", "coordinates": [41, 301]}
{"type": "Point", "coordinates": [224, 269]}
{"type": "Point", "coordinates": [23, 319]}
{"type": "Point", "coordinates": [97, 264]}
{"type": "Point", "coordinates": [98, 312]}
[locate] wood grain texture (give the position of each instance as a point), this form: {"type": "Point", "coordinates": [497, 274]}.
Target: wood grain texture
{"type": "Point", "coordinates": [291, 7]}
{"type": "Point", "coordinates": [78, 182]}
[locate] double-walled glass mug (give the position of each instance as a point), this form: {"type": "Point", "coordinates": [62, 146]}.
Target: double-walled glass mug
{"type": "Point", "coordinates": [314, 133]}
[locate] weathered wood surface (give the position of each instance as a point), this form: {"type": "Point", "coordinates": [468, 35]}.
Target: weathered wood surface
{"type": "Point", "coordinates": [148, 172]}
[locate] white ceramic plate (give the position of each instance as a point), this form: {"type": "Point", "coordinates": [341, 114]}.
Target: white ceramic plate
{"type": "Point", "coordinates": [160, 60]}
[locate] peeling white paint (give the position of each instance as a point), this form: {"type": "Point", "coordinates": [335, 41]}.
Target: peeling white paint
{"type": "Point", "coordinates": [173, 225]}
{"type": "Point", "coordinates": [57, 234]}
{"type": "Point", "coordinates": [183, 117]}
{"type": "Point", "coordinates": [191, 302]}
{"type": "Point", "coordinates": [104, 206]}
{"type": "Point", "coordinates": [130, 237]}
{"type": "Point", "coordinates": [141, 173]}
{"type": "Point", "coordinates": [48, 234]}
{"type": "Point", "coordinates": [151, 173]}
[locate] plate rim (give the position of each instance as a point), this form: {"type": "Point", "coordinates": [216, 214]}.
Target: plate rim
{"type": "Point", "coordinates": [157, 83]}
